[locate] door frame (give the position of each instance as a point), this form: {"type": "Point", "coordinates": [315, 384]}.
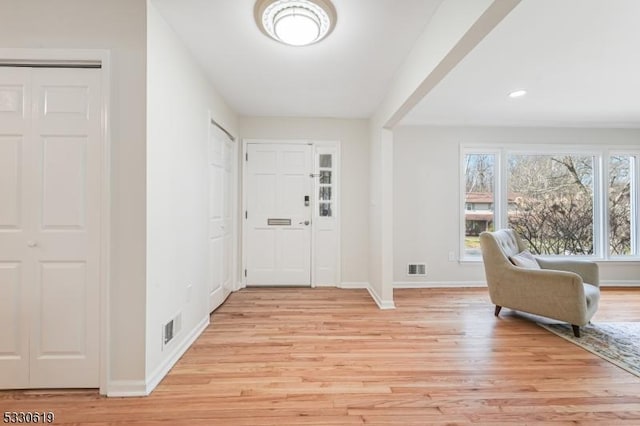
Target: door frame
{"type": "Point", "coordinates": [88, 57]}
{"type": "Point", "coordinates": [243, 227]}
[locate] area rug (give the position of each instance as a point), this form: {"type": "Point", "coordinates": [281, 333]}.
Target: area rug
{"type": "Point", "coordinates": [617, 342]}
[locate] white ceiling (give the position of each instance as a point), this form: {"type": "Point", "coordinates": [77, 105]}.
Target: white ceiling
{"type": "Point", "coordinates": [578, 59]}
{"type": "Point", "coordinates": [346, 75]}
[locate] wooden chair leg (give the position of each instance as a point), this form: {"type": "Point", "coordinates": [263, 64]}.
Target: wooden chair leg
{"type": "Point", "coordinates": [497, 311]}
{"type": "Point", "coordinates": [576, 330]}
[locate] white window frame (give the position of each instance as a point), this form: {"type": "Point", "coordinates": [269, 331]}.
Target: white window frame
{"type": "Point", "coordinates": [635, 197]}
{"type": "Point", "coordinates": [601, 154]}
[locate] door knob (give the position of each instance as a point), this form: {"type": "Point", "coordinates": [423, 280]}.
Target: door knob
{"type": "Point", "coordinates": [32, 243]}
{"type": "Point", "coordinates": [305, 223]}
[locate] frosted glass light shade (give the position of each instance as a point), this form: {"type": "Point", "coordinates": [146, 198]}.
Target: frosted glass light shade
{"type": "Point", "coordinates": [295, 22]}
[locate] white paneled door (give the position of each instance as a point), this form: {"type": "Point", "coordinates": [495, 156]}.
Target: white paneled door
{"type": "Point", "coordinates": [49, 227]}
{"type": "Point", "coordinates": [221, 158]}
{"type": "Point", "coordinates": [278, 214]}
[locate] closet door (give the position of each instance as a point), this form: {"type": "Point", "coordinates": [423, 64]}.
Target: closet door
{"type": "Point", "coordinates": [16, 260]}
{"type": "Point", "coordinates": [221, 157]}
{"type": "Point", "coordinates": [49, 249]}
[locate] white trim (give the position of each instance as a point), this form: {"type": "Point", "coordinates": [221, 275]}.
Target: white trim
{"type": "Point", "coordinates": [217, 297]}
{"type": "Point", "coordinates": [483, 284]}
{"type": "Point", "coordinates": [439, 284]}
{"type": "Point", "coordinates": [620, 283]}
{"type": "Point", "coordinates": [102, 57]}
{"type": "Point", "coordinates": [235, 217]}
{"type": "Point", "coordinates": [105, 231]}
{"type": "Point", "coordinates": [382, 304]}
{"type": "Point", "coordinates": [44, 55]}
{"type": "Point", "coordinates": [239, 284]}
{"type": "Point", "coordinates": [354, 285]}
{"type": "Point", "coordinates": [163, 369]}
{"type": "Point", "coordinates": [126, 388]}
{"type": "Point", "coordinates": [243, 218]}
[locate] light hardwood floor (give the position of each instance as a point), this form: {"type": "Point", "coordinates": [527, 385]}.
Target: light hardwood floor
{"type": "Point", "coordinates": [331, 357]}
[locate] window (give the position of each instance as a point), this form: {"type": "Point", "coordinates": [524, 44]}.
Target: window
{"type": "Point", "coordinates": [620, 179]}
{"type": "Point", "coordinates": [479, 199]}
{"type": "Point", "coordinates": [561, 200]}
{"type": "Point", "coordinates": [552, 202]}
{"type": "Point", "coordinates": [325, 185]}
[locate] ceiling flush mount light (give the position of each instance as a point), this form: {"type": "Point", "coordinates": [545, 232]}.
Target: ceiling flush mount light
{"type": "Point", "coordinates": [295, 22]}
{"type": "Point", "coordinates": [517, 93]}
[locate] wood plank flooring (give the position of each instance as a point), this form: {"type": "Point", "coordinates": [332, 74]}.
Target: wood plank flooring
{"type": "Point", "coordinates": [331, 357]}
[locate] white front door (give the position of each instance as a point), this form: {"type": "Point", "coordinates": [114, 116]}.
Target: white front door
{"type": "Point", "coordinates": [49, 227]}
{"type": "Point", "coordinates": [221, 158]}
{"type": "Point", "coordinates": [278, 214]}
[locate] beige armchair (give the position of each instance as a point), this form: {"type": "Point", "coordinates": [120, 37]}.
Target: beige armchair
{"type": "Point", "coordinates": [561, 289]}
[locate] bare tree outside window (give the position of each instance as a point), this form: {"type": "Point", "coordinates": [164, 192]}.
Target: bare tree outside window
{"type": "Point", "coordinates": [553, 208]}
{"type": "Point", "coordinates": [550, 201]}
{"type": "Point", "coordinates": [620, 205]}
{"type": "Point", "coordinates": [479, 199]}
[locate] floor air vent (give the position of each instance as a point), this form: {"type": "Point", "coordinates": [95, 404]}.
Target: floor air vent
{"type": "Point", "coordinates": [417, 269]}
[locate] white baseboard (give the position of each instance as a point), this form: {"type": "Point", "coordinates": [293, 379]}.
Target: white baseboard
{"type": "Point", "coordinates": [439, 284]}
{"type": "Point", "coordinates": [132, 388]}
{"type": "Point", "coordinates": [354, 285]}
{"type": "Point", "coordinates": [126, 388]}
{"type": "Point", "coordinates": [324, 285]}
{"type": "Point", "coordinates": [382, 304]}
{"type": "Point", "coordinates": [163, 369]}
{"type": "Point", "coordinates": [482, 284]}
{"type": "Point", "coordinates": [620, 283]}
{"type": "Point", "coordinates": [218, 296]}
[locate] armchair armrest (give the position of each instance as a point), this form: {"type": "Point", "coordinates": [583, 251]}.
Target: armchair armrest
{"type": "Point", "coordinates": [586, 269]}
{"type": "Point", "coordinates": [550, 293]}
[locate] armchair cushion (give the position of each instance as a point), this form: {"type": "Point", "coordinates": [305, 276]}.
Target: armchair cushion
{"type": "Point", "coordinates": [524, 259]}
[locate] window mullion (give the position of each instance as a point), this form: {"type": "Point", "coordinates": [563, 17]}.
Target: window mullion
{"type": "Point", "coordinates": [501, 193]}
{"type": "Point", "coordinates": [601, 247]}
{"type": "Point", "coordinates": [635, 212]}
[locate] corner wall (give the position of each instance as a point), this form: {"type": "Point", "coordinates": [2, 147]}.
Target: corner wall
{"type": "Point", "coordinates": [456, 27]}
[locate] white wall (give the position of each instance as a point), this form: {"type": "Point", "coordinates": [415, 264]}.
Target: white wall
{"type": "Point", "coordinates": [180, 99]}
{"type": "Point", "coordinates": [380, 248]}
{"type": "Point", "coordinates": [119, 26]}
{"type": "Point", "coordinates": [354, 198]}
{"type": "Point", "coordinates": [427, 197]}
{"type": "Point", "coordinates": [456, 27]}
